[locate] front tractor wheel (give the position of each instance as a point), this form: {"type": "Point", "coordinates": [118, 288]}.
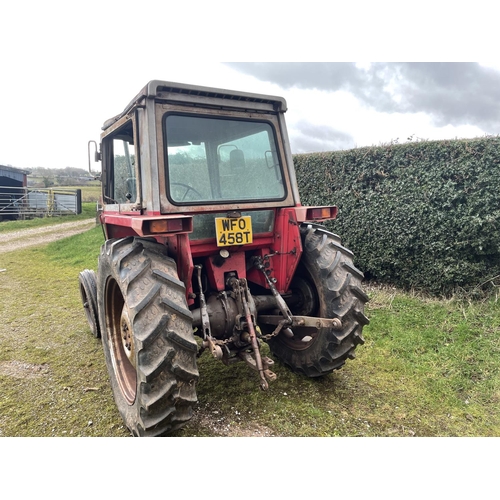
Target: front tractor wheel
{"type": "Point", "coordinates": [88, 293]}
{"type": "Point", "coordinates": [326, 285]}
{"type": "Point", "coordinates": [147, 336]}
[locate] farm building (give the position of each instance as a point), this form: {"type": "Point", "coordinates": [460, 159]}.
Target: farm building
{"type": "Point", "coordinates": [13, 177]}
{"type": "Point", "coordinates": [17, 201]}
{"type": "Point", "coordinates": [13, 181]}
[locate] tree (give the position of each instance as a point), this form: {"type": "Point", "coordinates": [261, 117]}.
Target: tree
{"type": "Point", "coordinates": [47, 182]}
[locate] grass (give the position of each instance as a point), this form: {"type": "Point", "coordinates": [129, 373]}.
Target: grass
{"type": "Point", "coordinates": [91, 191]}
{"type": "Point", "coordinates": [429, 367]}
{"type": "Point", "coordinates": [424, 370]}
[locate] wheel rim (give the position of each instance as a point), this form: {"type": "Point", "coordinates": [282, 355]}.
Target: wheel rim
{"type": "Point", "coordinates": [306, 304]}
{"type": "Point", "coordinates": [121, 341]}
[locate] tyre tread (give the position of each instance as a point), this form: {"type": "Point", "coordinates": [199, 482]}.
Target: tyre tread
{"type": "Point", "coordinates": [162, 324]}
{"type": "Point", "coordinates": [338, 284]}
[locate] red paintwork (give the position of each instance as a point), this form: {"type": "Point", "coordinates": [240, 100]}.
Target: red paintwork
{"type": "Point", "coordinates": [284, 251]}
{"type": "Point", "coordinates": [281, 250]}
{"type": "Point", "coordinates": [216, 271]}
{"type": "Point", "coordinates": [121, 225]}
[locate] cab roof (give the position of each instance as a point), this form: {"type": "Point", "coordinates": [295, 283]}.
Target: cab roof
{"type": "Point", "coordinates": [183, 92]}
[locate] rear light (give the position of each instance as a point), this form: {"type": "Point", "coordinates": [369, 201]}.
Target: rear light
{"type": "Point", "coordinates": [165, 226]}
{"type": "Point", "coordinates": [321, 213]}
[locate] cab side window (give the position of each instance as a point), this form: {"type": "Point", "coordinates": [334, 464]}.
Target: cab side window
{"type": "Point", "coordinates": [121, 185]}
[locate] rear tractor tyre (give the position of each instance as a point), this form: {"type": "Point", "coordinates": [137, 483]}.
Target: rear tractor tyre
{"type": "Point", "coordinates": [88, 293]}
{"type": "Point", "coordinates": [327, 285]}
{"type": "Point", "coordinates": [147, 336]}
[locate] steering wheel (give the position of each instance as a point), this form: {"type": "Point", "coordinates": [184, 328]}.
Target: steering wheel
{"type": "Point", "coordinates": [188, 189]}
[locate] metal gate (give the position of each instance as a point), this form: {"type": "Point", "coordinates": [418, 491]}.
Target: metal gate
{"type": "Point", "coordinates": [27, 203]}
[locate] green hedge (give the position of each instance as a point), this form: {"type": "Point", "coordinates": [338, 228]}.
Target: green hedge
{"type": "Point", "coordinates": [422, 215]}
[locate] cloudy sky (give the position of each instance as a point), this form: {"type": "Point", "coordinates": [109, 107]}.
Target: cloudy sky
{"type": "Point", "coordinates": [66, 67]}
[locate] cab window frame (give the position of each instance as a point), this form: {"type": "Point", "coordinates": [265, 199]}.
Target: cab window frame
{"type": "Point", "coordinates": [223, 201]}
{"type": "Point", "coordinates": [129, 174]}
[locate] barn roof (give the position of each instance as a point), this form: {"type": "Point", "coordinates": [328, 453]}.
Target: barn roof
{"type": "Point", "coordinates": [13, 173]}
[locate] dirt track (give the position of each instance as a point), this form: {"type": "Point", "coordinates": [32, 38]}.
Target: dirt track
{"type": "Point", "coordinates": [23, 238]}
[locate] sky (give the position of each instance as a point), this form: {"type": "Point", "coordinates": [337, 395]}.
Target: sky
{"type": "Point", "coordinates": [66, 67]}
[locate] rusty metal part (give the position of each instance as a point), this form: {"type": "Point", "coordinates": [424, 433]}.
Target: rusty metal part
{"type": "Point", "coordinates": [120, 340]}
{"type": "Point", "coordinates": [126, 335]}
{"type": "Point", "coordinates": [210, 344]}
{"type": "Point", "coordinates": [285, 320]}
{"type": "Point", "coordinates": [243, 295]}
{"type": "Point", "coordinates": [205, 320]}
{"type": "Point", "coordinates": [280, 301]}
{"type": "Point", "coordinates": [232, 316]}
{"type": "Point", "coordinates": [266, 363]}
{"type": "Point", "coordinates": [208, 340]}
{"type": "Point", "coordinates": [303, 321]}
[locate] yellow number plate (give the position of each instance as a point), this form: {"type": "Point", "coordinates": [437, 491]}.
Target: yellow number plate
{"type": "Point", "coordinates": [233, 231]}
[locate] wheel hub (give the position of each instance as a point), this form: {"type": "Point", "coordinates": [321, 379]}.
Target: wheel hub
{"type": "Point", "coordinates": [304, 297]}
{"type": "Point", "coordinates": [127, 337]}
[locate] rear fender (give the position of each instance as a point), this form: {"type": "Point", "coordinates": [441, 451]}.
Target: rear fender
{"type": "Point", "coordinates": [283, 255]}
{"type": "Point", "coordinates": [179, 249]}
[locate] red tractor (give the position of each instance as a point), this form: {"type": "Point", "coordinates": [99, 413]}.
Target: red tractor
{"type": "Point", "coordinates": [206, 238]}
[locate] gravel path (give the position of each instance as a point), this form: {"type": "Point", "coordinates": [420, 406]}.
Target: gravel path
{"type": "Point", "coordinates": [23, 238]}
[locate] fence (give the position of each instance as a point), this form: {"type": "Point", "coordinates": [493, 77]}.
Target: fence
{"type": "Point", "coordinates": [27, 203]}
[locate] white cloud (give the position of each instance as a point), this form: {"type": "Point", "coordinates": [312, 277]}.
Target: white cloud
{"type": "Point", "coordinates": [67, 67]}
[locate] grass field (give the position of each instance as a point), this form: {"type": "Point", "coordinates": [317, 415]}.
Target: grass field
{"type": "Point", "coordinates": [90, 191]}
{"type": "Point", "coordinates": [429, 367]}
